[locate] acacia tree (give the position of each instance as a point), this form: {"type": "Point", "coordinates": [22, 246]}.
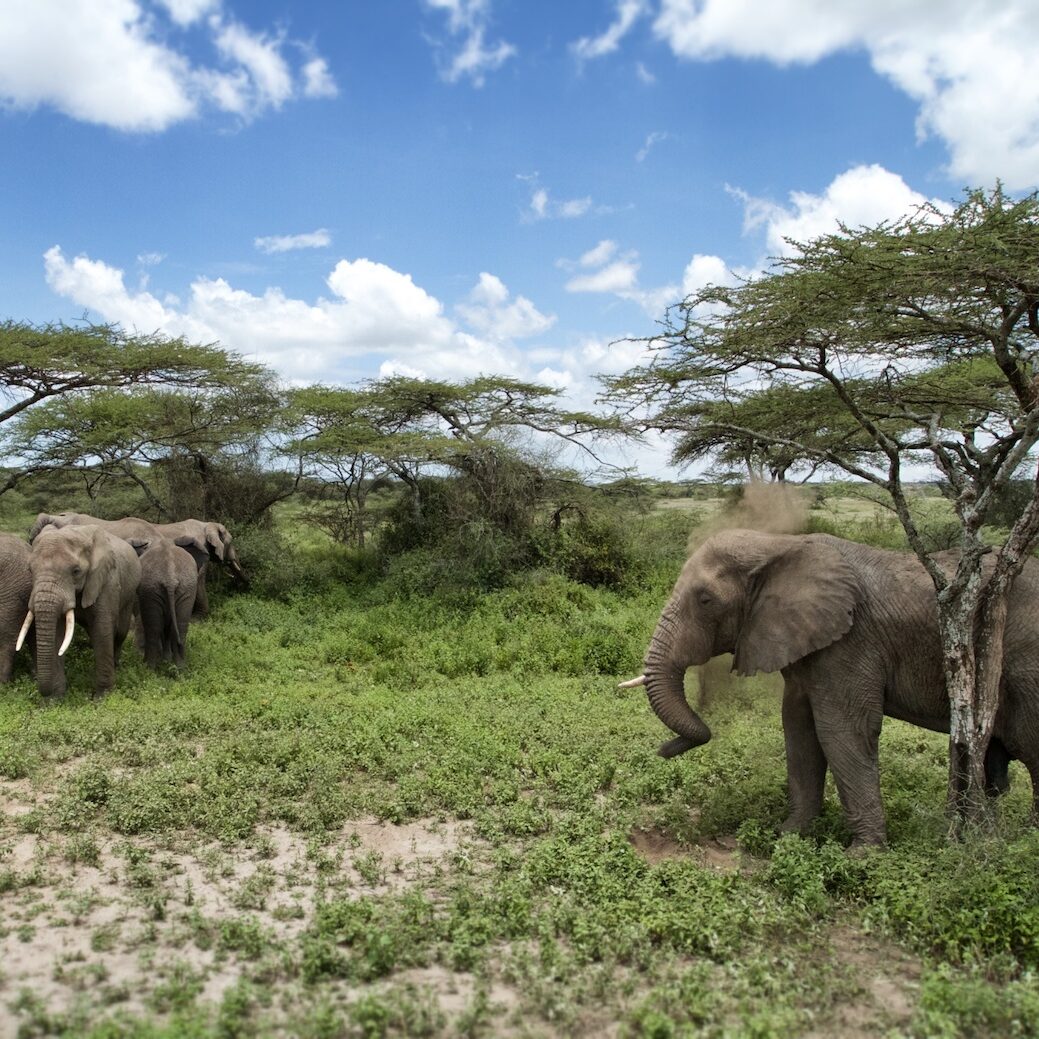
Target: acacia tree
{"type": "Point", "coordinates": [181, 446]}
{"type": "Point", "coordinates": [728, 428]}
{"type": "Point", "coordinates": [924, 333]}
{"type": "Point", "coordinates": [61, 368]}
{"type": "Point", "coordinates": [403, 427]}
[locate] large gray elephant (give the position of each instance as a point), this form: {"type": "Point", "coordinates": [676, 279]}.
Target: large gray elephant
{"type": "Point", "coordinates": [15, 586]}
{"type": "Point", "coordinates": [80, 573]}
{"type": "Point", "coordinates": [854, 631]}
{"type": "Point", "coordinates": [165, 597]}
{"type": "Point", "coordinates": [211, 540]}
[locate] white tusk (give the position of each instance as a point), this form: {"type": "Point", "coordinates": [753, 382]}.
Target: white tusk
{"type": "Point", "coordinates": [633, 683]}
{"type": "Point", "coordinates": [24, 631]}
{"type": "Point", "coordinates": [70, 628]}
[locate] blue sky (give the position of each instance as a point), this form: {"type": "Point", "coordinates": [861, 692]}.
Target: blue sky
{"type": "Point", "coordinates": [449, 187]}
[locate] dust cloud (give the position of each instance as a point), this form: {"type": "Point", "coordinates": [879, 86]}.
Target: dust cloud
{"type": "Point", "coordinates": [771, 508]}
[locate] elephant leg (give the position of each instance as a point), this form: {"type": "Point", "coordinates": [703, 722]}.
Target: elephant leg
{"type": "Point", "coordinates": [201, 598]}
{"type": "Point", "coordinates": [850, 736]}
{"type": "Point", "coordinates": [805, 761]}
{"type": "Point", "coordinates": [103, 639]}
{"type": "Point", "coordinates": [997, 765]}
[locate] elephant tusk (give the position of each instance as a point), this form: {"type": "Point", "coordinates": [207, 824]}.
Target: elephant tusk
{"type": "Point", "coordinates": [24, 631]}
{"type": "Point", "coordinates": [633, 683]}
{"type": "Point", "coordinates": [70, 627]}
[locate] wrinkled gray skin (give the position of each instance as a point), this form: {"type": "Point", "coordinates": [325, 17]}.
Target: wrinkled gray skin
{"type": "Point", "coordinates": [15, 586]}
{"type": "Point", "coordinates": [95, 573]}
{"type": "Point", "coordinates": [216, 540]}
{"type": "Point", "coordinates": [165, 597]}
{"type": "Point", "coordinates": [211, 539]}
{"type": "Point", "coordinates": [853, 630]}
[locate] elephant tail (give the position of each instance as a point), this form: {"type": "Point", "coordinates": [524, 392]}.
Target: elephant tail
{"type": "Point", "coordinates": [174, 635]}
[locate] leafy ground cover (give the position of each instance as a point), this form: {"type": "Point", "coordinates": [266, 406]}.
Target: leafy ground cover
{"type": "Point", "coordinates": [369, 810]}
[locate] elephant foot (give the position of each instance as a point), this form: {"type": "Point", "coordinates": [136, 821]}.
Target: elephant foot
{"type": "Point", "coordinates": [797, 824]}
{"type": "Point", "coordinates": [860, 849]}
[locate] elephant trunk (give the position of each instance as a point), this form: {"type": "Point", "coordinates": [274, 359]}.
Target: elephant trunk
{"type": "Point", "coordinates": [49, 615]}
{"type": "Point", "coordinates": [665, 687]}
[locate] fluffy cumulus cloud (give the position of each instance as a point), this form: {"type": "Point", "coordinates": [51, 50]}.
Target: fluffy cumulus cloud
{"type": "Point", "coordinates": [283, 243]}
{"type": "Point", "coordinates": [373, 315]}
{"type": "Point", "coordinates": [125, 63]}
{"type": "Point", "coordinates": [860, 197]}
{"type": "Point", "coordinates": [467, 54]}
{"type": "Point", "coordinates": [494, 313]}
{"type": "Point", "coordinates": [968, 64]}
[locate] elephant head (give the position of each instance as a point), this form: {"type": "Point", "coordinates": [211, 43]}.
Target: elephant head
{"type": "Point", "coordinates": [218, 540]}
{"type": "Point", "coordinates": [69, 568]}
{"type": "Point", "coordinates": [769, 599]}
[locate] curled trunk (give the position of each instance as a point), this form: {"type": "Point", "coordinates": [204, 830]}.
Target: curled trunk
{"type": "Point", "coordinates": [665, 687]}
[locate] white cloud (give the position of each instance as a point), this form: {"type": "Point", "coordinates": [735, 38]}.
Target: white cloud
{"type": "Point", "coordinates": [653, 138]}
{"type": "Point", "coordinates": [491, 312]}
{"type": "Point", "coordinates": [621, 276]}
{"type": "Point", "coordinates": [475, 58]}
{"type": "Point", "coordinates": [860, 197]}
{"type": "Point", "coordinates": [599, 254]}
{"type": "Point", "coordinates": [281, 243]}
{"type": "Point", "coordinates": [266, 70]}
{"type": "Point", "coordinates": [969, 65]}
{"type": "Point", "coordinates": [187, 12]}
{"type": "Point", "coordinates": [644, 75]}
{"type": "Point", "coordinates": [113, 62]}
{"type": "Point", "coordinates": [152, 259]}
{"type": "Point", "coordinates": [373, 315]}
{"type": "Point", "coordinates": [544, 207]}
{"type": "Point", "coordinates": [317, 79]}
{"type": "Point", "coordinates": [628, 12]}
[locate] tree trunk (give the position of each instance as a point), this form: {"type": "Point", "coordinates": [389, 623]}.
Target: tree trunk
{"type": "Point", "coordinates": [972, 629]}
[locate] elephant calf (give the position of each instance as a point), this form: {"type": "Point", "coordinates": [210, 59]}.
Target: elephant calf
{"type": "Point", "coordinates": [854, 631]}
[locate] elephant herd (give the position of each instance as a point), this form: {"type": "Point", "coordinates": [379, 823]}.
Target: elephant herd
{"type": "Point", "coordinates": [104, 574]}
{"type": "Point", "coordinates": [852, 629]}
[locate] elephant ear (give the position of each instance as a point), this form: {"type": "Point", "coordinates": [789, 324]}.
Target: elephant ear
{"type": "Point", "coordinates": [803, 599]}
{"type": "Point", "coordinates": [101, 568]}
{"type": "Point", "coordinates": [195, 547]}
{"type": "Point", "coordinates": [214, 540]}
{"type": "Point", "coordinates": [44, 519]}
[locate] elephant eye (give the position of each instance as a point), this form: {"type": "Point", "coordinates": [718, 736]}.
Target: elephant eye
{"type": "Point", "coordinates": [705, 599]}
{"type": "Point", "coordinates": [77, 571]}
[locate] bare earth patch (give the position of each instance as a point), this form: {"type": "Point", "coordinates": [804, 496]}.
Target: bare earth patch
{"type": "Point", "coordinates": [888, 986]}
{"type": "Point", "coordinates": [140, 921]}
{"type": "Point", "coordinates": [721, 853]}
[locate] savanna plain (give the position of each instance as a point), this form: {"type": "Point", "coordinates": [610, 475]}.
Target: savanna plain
{"type": "Point", "coordinates": [380, 804]}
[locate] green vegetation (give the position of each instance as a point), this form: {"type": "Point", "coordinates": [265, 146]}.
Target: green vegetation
{"type": "Point", "coordinates": [374, 809]}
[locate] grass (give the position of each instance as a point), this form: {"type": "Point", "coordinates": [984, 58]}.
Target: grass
{"type": "Point", "coordinates": [209, 846]}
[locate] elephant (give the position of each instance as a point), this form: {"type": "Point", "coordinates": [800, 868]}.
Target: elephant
{"type": "Point", "coordinates": [854, 632]}
{"type": "Point", "coordinates": [15, 586]}
{"type": "Point", "coordinates": [80, 573]}
{"type": "Point", "coordinates": [165, 597]}
{"type": "Point", "coordinates": [211, 539]}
